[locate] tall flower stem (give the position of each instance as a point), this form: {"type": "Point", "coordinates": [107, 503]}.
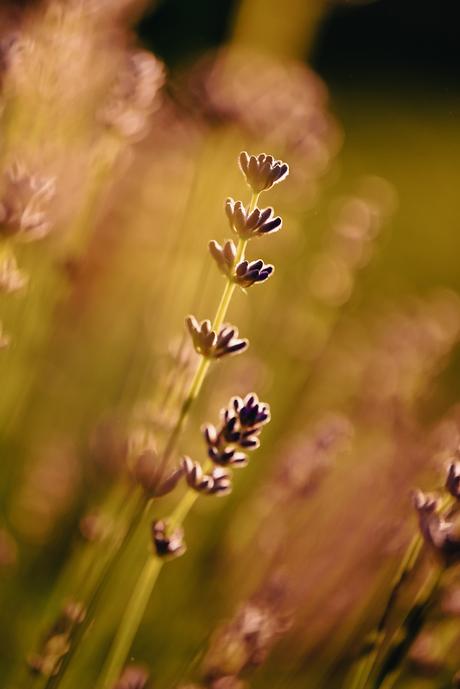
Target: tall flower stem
{"type": "Point", "coordinates": [367, 666]}
{"type": "Point", "coordinates": [202, 369]}
{"type": "Point", "coordinates": [152, 567]}
{"type": "Point", "coordinates": [393, 662]}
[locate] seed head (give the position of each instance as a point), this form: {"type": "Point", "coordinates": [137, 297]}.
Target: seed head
{"type": "Point", "coordinates": [453, 479]}
{"type": "Point", "coordinates": [214, 345]}
{"type": "Point", "coordinates": [242, 422]}
{"type": "Point", "coordinates": [249, 225]}
{"type": "Point", "coordinates": [218, 482]}
{"type": "Point", "coordinates": [262, 171]}
{"type": "Point", "coordinates": [168, 541]}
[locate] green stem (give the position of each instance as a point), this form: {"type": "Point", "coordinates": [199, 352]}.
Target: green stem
{"type": "Point", "coordinates": [200, 373]}
{"type": "Point", "coordinates": [151, 570]}
{"type": "Point", "coordinates": [413, 622]}
{"type": "Point", "coordinates": [131, 622]}
{"type": "Point", "coordinates": [139, 600]}
{"type": "Point", "coordinates": [367, 666]}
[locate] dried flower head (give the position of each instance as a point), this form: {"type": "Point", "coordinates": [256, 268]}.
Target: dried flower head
{"type": "Point", "coordinates": [248, 225]}
{"type": "Point", "coordinates": [245, 273]}
{"type": "Point", "coordinates": [148, 473]}
{"type": "Point", "coordinates": [441, 535]}
{"type": "Point", "coordinates": [214, 345]}
{"type": "Point", "coordinates": [218, 482]}
{"type": "Point", "coordinates": [453, 479]}
{"type": "Point", "coordinates": [168, 541]}
{"type": "Point", "coordinates": [242, 422]}
{"type": "Point", "coordinates": [11, 278]}
{"type": "Point", "coordinates": [262, 171]}
{"type": "Point", "coordinates": [23, 204]}
{"type": "Point", "coordinates": [133, 677]}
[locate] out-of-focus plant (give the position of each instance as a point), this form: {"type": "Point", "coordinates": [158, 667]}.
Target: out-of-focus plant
{"type": "Point", "coordinates": [309, 574]}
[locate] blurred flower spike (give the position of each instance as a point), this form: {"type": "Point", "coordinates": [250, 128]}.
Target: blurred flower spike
{"type": "Point", "coordinates": [439, 533]}
{"type": "Point", "coordinates": [24, 204]}
{"type": "Point", "coordinates": [11, 278]}
{"type": "Point", "coordinates": [453, 479]}
{"type": "Point", "coordinates": [133, 677]}
{"type": "Point", "coordinates": [134, 96]}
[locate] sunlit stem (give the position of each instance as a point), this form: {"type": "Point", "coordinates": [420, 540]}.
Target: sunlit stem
{"type": "Point", "coordinates": [202, 369]}
{"type": "Point", "coordinates": [151, 570]}
{"type": "Point", "coordinates": [131, 622]}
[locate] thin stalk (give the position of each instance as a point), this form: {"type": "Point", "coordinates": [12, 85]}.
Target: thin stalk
{"type": "Point", "coordinates": [130, 623]}
{"type": "Point", "coordinates": [200, 373]}
{"type": "Point", "coordinates": [366, 667]}
{"type": "Point", "coordinates": [152, 568]}
{"type": "Point", "coordinates": [139, 600]}
{"type": "Point", "coordinates": [412, 624]}
{"type": "Point", "coordinates": [93, 589]}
